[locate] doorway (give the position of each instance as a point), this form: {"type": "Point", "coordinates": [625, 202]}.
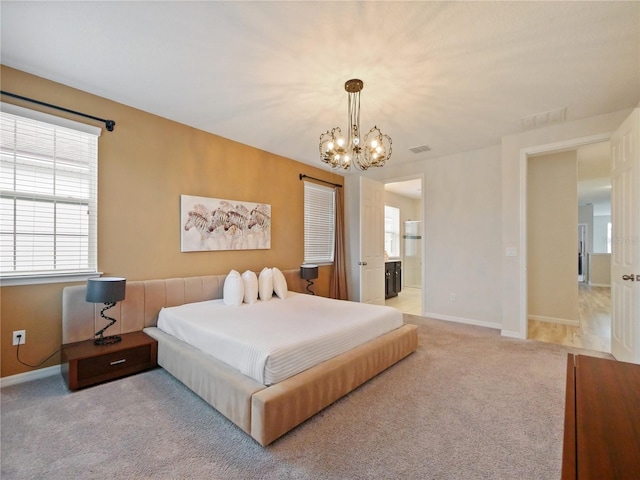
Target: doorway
{"type": "Point", "coordinates": [404, 245]}
{"type": "Point", "coordinates": [587, 298]}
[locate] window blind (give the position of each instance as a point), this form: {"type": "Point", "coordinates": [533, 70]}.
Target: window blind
{"type": "Point", "coordinates": [319, 223]}
{"type": "Point", "coordinates": [48, 194]}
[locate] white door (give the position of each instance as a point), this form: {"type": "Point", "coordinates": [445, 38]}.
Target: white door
{"type": "Point", "coordinates": [625, 241]}
{"type": "Point", "coordinates": [371, 261]}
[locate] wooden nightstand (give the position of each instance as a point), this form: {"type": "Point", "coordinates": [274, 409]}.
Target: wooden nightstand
{"type": "Point", "coordinates": [85, 364]}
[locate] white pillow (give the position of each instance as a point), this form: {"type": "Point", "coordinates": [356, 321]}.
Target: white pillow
{"type": "Point", "coordinates": [279, 283]}
{"type": "Point", "coordinates": [250, 280]}
{"type": "Point", "coordinates": [265, 284]}
{"type": "Point", "coordinates": [233, 289]}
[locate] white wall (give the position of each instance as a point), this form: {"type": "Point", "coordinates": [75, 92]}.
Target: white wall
{"type": "Point", "coordinates": [600, 269]}
{"type": "Point", "coordinates": [462, 241]}
{"type": "Point", "coordinates": [514, 150]}
{"type": "Point", "coordinates": [585, 215]}
{"type": "Point", "coordinates": [473, 213]}
{"type": "Point", "coordinates": [600, 223]}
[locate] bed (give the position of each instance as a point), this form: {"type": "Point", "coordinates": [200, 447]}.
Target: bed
{"type": "Point", "coordinates": [265, 412]}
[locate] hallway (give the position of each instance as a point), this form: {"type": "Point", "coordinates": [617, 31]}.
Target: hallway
{"type": "Point", "coordinates": [594, 332]}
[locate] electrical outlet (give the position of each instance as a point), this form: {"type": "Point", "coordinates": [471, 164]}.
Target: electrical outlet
{"type": "Point", "coordinates": [452, 297]}
{"type": "Point", "coordinates": [23, 337]}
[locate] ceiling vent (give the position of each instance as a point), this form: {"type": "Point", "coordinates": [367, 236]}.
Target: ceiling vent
{"type": "Point", "coordinates": [420, 149]}
{"type": "Point", "coordinates": [543, 119]}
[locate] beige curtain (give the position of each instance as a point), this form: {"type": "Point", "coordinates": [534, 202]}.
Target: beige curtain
{"type": "Point", "coordinates": [338, 284]}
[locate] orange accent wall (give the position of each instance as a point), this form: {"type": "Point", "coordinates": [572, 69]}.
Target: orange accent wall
{"type": "Point", "coordinates": [145, 164]}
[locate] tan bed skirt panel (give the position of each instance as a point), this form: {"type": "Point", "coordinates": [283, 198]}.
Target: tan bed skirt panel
{"type": "Point", "coordinates": [221, 386]}
{"type": "Point", "coordinates": [267, 413]}
{"type": "Point", "coordinates": [281, 407]}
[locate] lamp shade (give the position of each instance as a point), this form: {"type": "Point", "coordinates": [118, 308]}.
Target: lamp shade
{"type": "Point", "coordinates": [309, 272]}
{"type": "Point", "coordinates": [105, 289]}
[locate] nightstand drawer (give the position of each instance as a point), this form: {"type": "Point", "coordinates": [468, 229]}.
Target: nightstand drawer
{"type": "Point", "coordinates": [112, 362]}
{"type": "Point", "coordinates": [85, 364]}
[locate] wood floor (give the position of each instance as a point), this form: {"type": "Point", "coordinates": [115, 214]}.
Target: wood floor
{"type": "Point", "coordinates": [594, 332]}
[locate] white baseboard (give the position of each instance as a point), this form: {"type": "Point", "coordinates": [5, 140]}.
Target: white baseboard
{"type": "Point", "coordinates": [29, 376]}
{"type": "Point", "coordinates": [468, 321]}
{"type": "Point", "coordinates": [512, 334]}
{"type": "Point", "coordinates": [561, 321]}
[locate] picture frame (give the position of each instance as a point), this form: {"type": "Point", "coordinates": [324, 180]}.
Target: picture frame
{"type": "Point", "coordinates": [214, 224]}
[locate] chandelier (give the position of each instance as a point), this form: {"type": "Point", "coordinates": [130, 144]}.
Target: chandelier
{"type": "Point", "coordinates": [371, 151]}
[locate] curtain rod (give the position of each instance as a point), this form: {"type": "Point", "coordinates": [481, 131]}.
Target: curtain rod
{"type": "Point", "coordinates": [109, 124]}
{"type": "Point", "coordinates": [302, 175]}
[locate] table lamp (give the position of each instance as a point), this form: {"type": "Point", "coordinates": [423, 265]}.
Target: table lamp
{"type": "Point", "coordinates": [107, 290]}
{"type": "Point", "coordinates": [309, 272]}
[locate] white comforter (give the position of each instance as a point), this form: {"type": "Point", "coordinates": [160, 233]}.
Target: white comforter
{"type": "Point", "coordinates": [273, 340]}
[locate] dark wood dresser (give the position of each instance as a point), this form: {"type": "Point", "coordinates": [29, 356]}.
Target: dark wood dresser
{"type": "Point", "coordinates": [602, 419]}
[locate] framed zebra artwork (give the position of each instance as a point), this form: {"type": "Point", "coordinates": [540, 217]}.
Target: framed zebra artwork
{"type": "Point", "coordinates": [215, 224]}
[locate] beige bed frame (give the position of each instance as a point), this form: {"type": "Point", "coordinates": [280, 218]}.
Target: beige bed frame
{"type": "Point", "coordinates": [265, 413]}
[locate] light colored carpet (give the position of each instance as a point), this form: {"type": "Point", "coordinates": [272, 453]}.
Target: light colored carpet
{"type": "Point", "coordinates": [469, 404]}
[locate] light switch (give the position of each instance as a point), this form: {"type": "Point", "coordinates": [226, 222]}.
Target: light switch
{"type": "Point", "coordinates": [512, 252]}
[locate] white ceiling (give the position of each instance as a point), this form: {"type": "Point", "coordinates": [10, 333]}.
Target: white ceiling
{"type": "Point", "coordinates": [456, 76]}
{"type": "Point", "coordinates": [407, 188]}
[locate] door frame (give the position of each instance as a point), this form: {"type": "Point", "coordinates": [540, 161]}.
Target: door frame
{"type": "Point", "coordinates": [525, 153]}
{"type": "Point", "coordinates": [585, 234]}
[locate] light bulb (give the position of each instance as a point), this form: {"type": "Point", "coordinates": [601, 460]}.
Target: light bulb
{"type": "Point", "coordinates": [375, 156]}
{"type": "Point", "coordinates": [330, 146]}
{"type": "Point", "coordinates": [340, 142]}
{"type": "Point", "coordinates": [379, 149]}
{"type": "Point", "coordinates": [337, 157]}
{"type": "Point", "coordinates": [374, 143]}
{"type": "Point", "coordinates": [356, 141]}
{"type": "Point", "coordinates": [346, 159]}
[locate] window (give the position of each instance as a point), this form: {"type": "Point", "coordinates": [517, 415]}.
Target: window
{"type": "Point", "coordinates": [319, 223]}
{"type": "Point", "coordinates": [392, 231]}
{"type": "Point", "coordinates": [48, 191]}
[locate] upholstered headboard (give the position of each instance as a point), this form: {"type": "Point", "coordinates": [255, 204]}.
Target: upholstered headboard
{"type": "Point", "coordinates": [142, 303]}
